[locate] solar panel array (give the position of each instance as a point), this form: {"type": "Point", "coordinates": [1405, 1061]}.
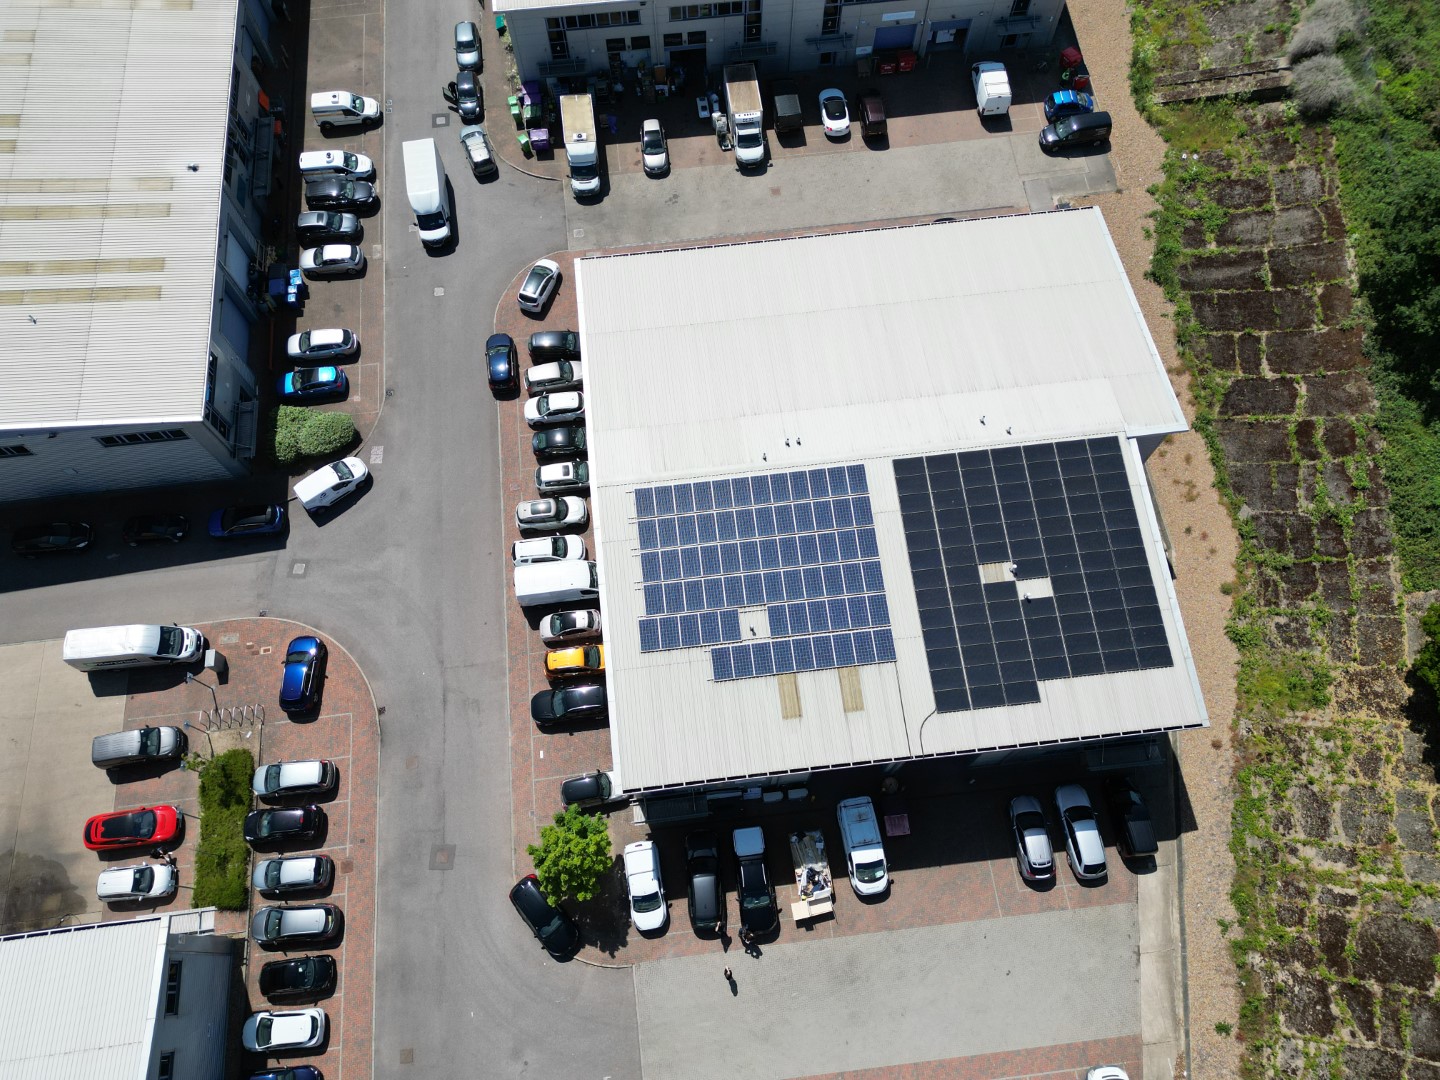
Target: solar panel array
{"type": "Point", "coordinates": [800, 545]}
{"type": "Point", "coordinates": [1062, 511]}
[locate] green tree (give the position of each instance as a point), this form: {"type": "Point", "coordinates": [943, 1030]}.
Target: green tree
{"type": "Point", "coordinates": [572, 856]}
{"type": "Point", "coordinates": [1427, 661]}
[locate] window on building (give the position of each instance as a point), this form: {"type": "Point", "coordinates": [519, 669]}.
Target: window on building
{"type": "Point", "coordinates": [559, 46]}
{"type": "Point", "coordinates": [615, 44]}
{"type": "Point", "coordinates": [640, 41]}
{"type": "Point", "coordinates": [167, 1066]}
{"type": "Point", "coordinates": [719, 10]}
{"type": "Point", "coordinates": [696, 37]}
{"type": "Point", "coordinates": [1019, 8]}
{"type": "Point", "coordinates": [674, 41]}
{"type": "Point", "coordinates": [830, 19]}
{"type": "Point", "coordinates": [172, 989]}
{"type": "Point", "coordinates": [18, 450]}
{"type": "Point", "coordinates": [134, 438]}
{"type": "Point", "coordinates": [752, 27]}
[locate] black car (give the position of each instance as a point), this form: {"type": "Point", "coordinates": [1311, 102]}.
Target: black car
{"type": "Point", "coordinates": [592, 789]}
{"type": "Point", "coordinates": [1082, 130]}
{"type": "Point", "coordinates": [552, 927]}
{"type": "Point", "coordinates": [139, 530]}
{"type": "Point", "coordinates": [555, 345]}
{"type": "Point", "coordinates": [291, 825]}
{"type": "Point", "coordinates": [758, 911]}
{"type": "Point", "coordinates": [1134, 831]}
{"type": "Point", "coordinates": [560, 443]}
{"type": "Point", "coordinates": [318, 226]}
{"type": "Point", "coordinates": [305, 978]}
{"type": "Point", "coordinates": [705, 895]}
{"type": "Point", "coordinates": [333, 193]}
{"type": "Point", "coordinates": [584, 701]}
{"type": "Point", "coordinates": [464, 94]}
{"type": "Point", "coordinates": [56, 536]}
{"type": "Point", "coordinates": [500, 366]}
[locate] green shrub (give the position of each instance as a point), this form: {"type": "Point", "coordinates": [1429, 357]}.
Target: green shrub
{"type": "Point", "coordinates": [293, 433]}
{"type": "Point", "coordinates": [326, 433]}
{"type": "Point", "coordinates": [573, 855]}
{"type": "Point", "coordinates": [1322, 87]}
{"type": "Point", "coordinates": [222, 858]}
{"type": "Point", "coordinates": [1427, 662]}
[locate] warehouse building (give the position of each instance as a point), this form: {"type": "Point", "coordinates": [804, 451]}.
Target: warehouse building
{"type": "Point", "coordinates": [912, 519]}
{"type": "Point", "coordinates": [130, 223]}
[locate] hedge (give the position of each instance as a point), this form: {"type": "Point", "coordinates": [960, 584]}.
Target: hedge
{"type": "Point", "coordinates": [222, 859]}
{"type": "Point", "coordinates": [293, 433]}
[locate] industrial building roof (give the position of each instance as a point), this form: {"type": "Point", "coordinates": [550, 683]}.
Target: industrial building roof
{"type": "Point", "coordinates": [877, 495]}
{"type": "Point", "coordinates": [112, 145]}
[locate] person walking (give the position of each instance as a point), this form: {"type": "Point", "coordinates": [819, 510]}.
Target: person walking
{"type": "Point", "coordinates": [729, 977]}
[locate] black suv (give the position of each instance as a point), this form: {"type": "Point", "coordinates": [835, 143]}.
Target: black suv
{"type": "Point", "coordinates": [558, 443]}
{"type": "Point", "coordinates": [555, 345]}
{"type": "Point", "coordinates": [1134, 831]}
{"type": "Point", "coordinates": [265, 828]}
{"type": "Point", "coordinates": [304, 978]}
{"type": "Point", "coordinates": [551, 926]}
{"type": "Point", "coordinates": [585, 701]}
{"type": "Point", "coordinates": [333, 193]}
{"type": "Point", "coordinates": [705, 896]}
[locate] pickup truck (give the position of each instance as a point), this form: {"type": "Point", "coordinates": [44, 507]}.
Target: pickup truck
{"type": "Point", "coordinates": [864, 850]}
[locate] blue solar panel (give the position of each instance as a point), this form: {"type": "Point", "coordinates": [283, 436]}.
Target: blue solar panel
{"type": "Point", "coordinates": [800, 621]}
{"type": "Point", "coordinates": [710, 559]}
{"type": "Point", "coordinates": [774, 586]}
{"type": "Point", "coordinates": [701, 491]}
{"type": "Point", "coordinates": [745, 524]}
{"type": "Point", "coordinates": [720, 494]}
{"type": "Point", "coordinates": [689, 631]}
{"type": "Point", "coordinates": [729, 626]}
{"type": "Point", "coordinates": [714, 592]}
{"type": "Point", "coordinates": [824, 515]}
{"type": "Point", "coordinates": [858, 610]}
{"type": "Point", "coordinates": [684, 502]}
{"type": "Point", "coordinates": [804, 518]}
{"type": "Point", "coordinates": [754, 589]}
{"type": "Point", "coordinates": [834, 580]}
{"type": "Point", "coordinates": [789, 551]}
{"type": "Point", "coordinates": [804, 652]}
{"type": "Point", "coordinates": [734, 590]}
{"type": "Point", "coordinates": [824, 652]}
{"type": "Point", "coordinates": [809, 549]}
{"type": "Point", "coordinates": [764, 521]}
{"type": "Point", "coordinates": [859, 484]}
{"type": "Point", "coordinates": [720, 666]}
{"type": "Point", "coordinates": [829, 547]}
{"type": "Point", "coordinates": [884, 646]}
{"type": "Point", "coordinates": [761, 654]}
{"type": "Point", "coordinates": [709, 627]}
{"type": "Point", "coordinates": [854, 577]}
{"type": "Point", "coordinates": [740, 490]}
{"type": "Point", "coordinates": [799, 486]}
{"type": "Point", "coordinates": [849, 544]}
{"type": "Point", "coordinates": [779, 620]}
{"type": "Point", "coordinates": [869, 546]}
{"type": "Point", "coordinates": [668, 535]}
{"type": "Point", "coordinates": [694, 595]}
{"type": "Point", "coordinates": [819, 484]}
{"type": "Point", "coordinates": [645, 502]}
{"type": "Point", "coordinates": [784, 520]}
{"type": "Point", "coordinates": [839, 613]}
{"type": "Point", "coordinates": [670, 565]}
{"type": "Point", "coordinates": [744, 662]}
{"type": "Point", "coordinates": [725, 525]}
{"type": "Point", "coordinates": [794, 584]}
{"type": "Point", "coordinates": [654, 600]}
{"type": "Point", "coordinates": [649, 635]}
{"type": "Point", "coordinates": [670, 632]}
{"type": "Point", "coordinates": [780, 487]}
{"type": "Point", "coordinates": [649, 566]}
{"type": "Point", "coordinates": [664, 500]}
{"type": "Point", "coordinates": [705, 530]}
{"type": "Point", "coordinates": [690, 562]}
{"type": "Point", "coordinates": [770, 554]}
{"type": "Point", "coordinates": [649, 535]}
{"type": "Point", "coordinates": [819, 616]}
{"type": "Point", "coordinates": [783, 656]}
{"type": "Point", "coordinates": [674, 597]}
{"type": "Point", "coordinates": [749, 555]}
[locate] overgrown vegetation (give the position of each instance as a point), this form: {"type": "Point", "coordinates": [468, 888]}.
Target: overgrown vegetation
{"type": "Point", "coordinates": [292, 433]}
{"type": "Point", "coordinates": [572, 856]}
{"type": "Point", "coordinates": [1427, 662]}
{"type": "Point", "coordinates": [222, 858]}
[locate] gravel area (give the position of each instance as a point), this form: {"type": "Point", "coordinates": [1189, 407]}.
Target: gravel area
{"type": "Point", "coordinates": [1205, 546]}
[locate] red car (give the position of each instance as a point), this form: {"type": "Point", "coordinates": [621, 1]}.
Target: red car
{"type": "Point", "coordinates": [133, 828]}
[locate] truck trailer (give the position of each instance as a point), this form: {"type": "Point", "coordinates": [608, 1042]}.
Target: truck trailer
{"type": "Point", "coordinates": [582, 145]}
{"type": "Point", "coordinates": [747, 115]}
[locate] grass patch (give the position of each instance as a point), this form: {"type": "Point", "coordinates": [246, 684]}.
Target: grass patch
{"type": "Point", "coordinates": [1276, 684]}
{"type": "Point", "coordinates": [1202, 125]}
{"type": "Point", "coordinates": [222, 859]}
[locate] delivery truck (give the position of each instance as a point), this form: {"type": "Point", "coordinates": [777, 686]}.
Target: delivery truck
{"type": "Point", "coordinates": [747, 116]}
{"type": "Point", "coordinates": [582, 145]}
{"type": "Point", "coordinates": [429, 194]}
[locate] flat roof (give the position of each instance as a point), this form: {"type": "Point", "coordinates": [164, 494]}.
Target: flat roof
{"type": "Point", "coordinates": [109, 239]}
{"type": "Point", "coordinates": [854, 491]}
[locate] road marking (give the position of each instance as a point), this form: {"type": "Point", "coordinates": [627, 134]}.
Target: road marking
{"type": "Point", "coordinates": [297, 570]}
{"type": "Point", "coordinates": [578, 233]}
{"type": "Point", "coordinates": [439, 290]}
{"type": "Point", "coordinates": [377, 455]}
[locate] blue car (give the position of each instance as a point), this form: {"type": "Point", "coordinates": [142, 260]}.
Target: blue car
{"type": "Point", "coordinates": [304, 673]}
{"type": "Point", "coordinates": [1063, 103]}
{"type": "Point", "coordinates": [312, 384]}
{"type": "Point", "coordinates": [500, 364]}
{"type": "Point", "coordinates": [238, 522]}
{"type": "Point", "coordinates": [297, 1072]}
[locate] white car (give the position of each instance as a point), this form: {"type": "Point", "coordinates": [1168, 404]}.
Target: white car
{"type": "Point", "coordinates": [329, 484]}
{"type": "Point", "coordinates": [1083, 845]}
{"type": "Point", "coordinates": [477, 150]}
{"type": "Point", "coordinates": [647, 893]}
{"type": "Point", "coordinates": [567, 626]}
{"type": "Point", "coordinates": [551, 515]}
{"type": "Point", "coordinates": [539, 285]}
{"type": "Point", "coordinates": [293, 873]}
{"type": "Point", "coordinates": [314, 163]}
{"type": "Point", "coordinates": [286, 778]}
{"type": "Point", "coordinates": [293, 1029]}
{"type": "Point", "coordinates": [559, 408]}
{"type": "Point", "coordinates": [835, 113]}
{"type": "Point", "coordinates": [864, 848]}
{"type": "Point", "coordinates": [562, 375]}
{"type": "Point", "coordinates": [332, 260]}
{"type": "Point", "coordinates": [562, 476]}
{"type": "Point", "coordinates": [143, 881]}
{"type": "Point", "coordinates": [327, 344]}
{"type": "Point", "coordinates": [1107, 1072]}
{"type": "Point", "coordinates": [654, 154]}
{"type": "Point", "coordinates": [1032, 839]}
{"type": "Point", "coordinates": [547, 549]}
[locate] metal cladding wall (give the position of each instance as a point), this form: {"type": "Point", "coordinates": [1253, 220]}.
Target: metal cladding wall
{"type": "Point", "coordinates": [73, 462]}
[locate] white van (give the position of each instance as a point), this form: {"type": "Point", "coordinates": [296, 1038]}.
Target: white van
{"type": "Point", "coordinates": [329, 484]}
{"type": "Point", "coordinates": [315, 164]}
{"type": "Point", "coordinates": [428, 192]}
{"type": "Point", "coordinates": [340, 108]}
{"type": "Point", "coordinates": [138, 645]}
{"type": "Point", "coordinates": [556, 583]}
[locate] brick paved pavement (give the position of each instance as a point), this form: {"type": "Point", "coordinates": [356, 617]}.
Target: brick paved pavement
{"type": "Point", "coordinates": [346, 731]}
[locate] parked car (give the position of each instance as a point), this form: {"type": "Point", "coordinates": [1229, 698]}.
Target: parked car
{"type": "Point", "coordinates": [576, 704]}
{"type": "Point", "coordinates": [293, 874]}
{"type": "Point", "coordinates": [332, 260]}
{"type": "Point", "coordinates": [705, 895]}
{"type": "Point", "coordinates": [305, 925]}
{"type": "Point", "coordinates": [592, 789]}
{"type": "Point", "coordinates": [1033, 853]}
{"type": "Point", "coordinates": [559, 442]}
{"type": "Point", "coordinates": [1134, 830]}
{"type": "Point", "coordinates": [1085, 129]}
{"type": "Point", "coordinates": [303, 978]}
{"type": "Point", "coordinates": [547, 549]}
{"type": "Point", "coordinates": [48, 539]}
{"type": "Point", "coordinates": [145, 825]}
{"type": "Point", "coordinates": [304, 385]}
{"type": "Point", "coordinates": [872, 114]}
{"type": "Point", "coordinates": [1107, 1072]}
{"type": "Point", "coordinates": [329, 343]}
{"type": "Point", "coordinates": [551, 926]}
{"type": "Point", "coordinates": [554, 345]}
{"type": "Point", "coordinates": [304, 673]}
{"type": "Point", "coordinates": [1083, 844]}
{"type": "Point", "coordinates": [478, 151]}
{"type": "Point", "coordinates": [559, 375]}
{"type": "Point", "coordinates": [1063, 103]}
{"type": "Point", "coordinates": [834, 113]}
{"type": "Point", "coordinates": [144, 881]}
{"type": "Point", "coordinates": [147, 528]}
{"type": "Point", "coordinates": [501, 370]}
{"type": "Point", "coordinates": [562, 476]}
{"type": "Point", "coordinates": [864, 847]}
{"type": "Point", "coordinates": [578, 661]}
{"type": "Point", "coordinates": [464, 93]}
{"type": "Point", "coordinates": [317, 226]}
{"type": "Point", "coordinates": [289, 825]}
{"type": "Point", "coordinates": [647, 891]}
{"type": "Point", "coordinates": [330, 484]}
{"type": "Point", "coordinates": [239, 522]}
{"type": "Point", "coordinates": [317, 163]}
{"type": "Point", "coordinates": [569, 626]}
{"type": "Point", "coordinates": [654, 154]}
{"type": "Point", "coordinates": [297, 1072]}
{"type": "Point", "coordinates": [539, 285]}
{"type": "Point", "coordinates": [549, 515]}
{"type": "Point", "coordinates": [286, 779]}
{"type": "Point", "coordinates": [271, 1032]}
{"type": "Point", "coordinates": [467, 46]}
{"type": "Point", "coordinates": [333, 193]}
{"type": "Point", "coordinates": [559, 408]}
{"type": "Point", "coordinates": [758, 911]}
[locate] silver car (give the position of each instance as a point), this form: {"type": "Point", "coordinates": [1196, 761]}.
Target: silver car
{"type": "Point", "coordinates": [564, 627]}
{"type": "Point", "coordinates": [1083, 845]}
{"type": "Point", "coordinates": [467, 46]}
{"type": "Point", "coordinates": [654, 154]}
{"type": "Point", "coordinates": [551, 515]}
{"type": "Point", "coordinates": [332, 260]}
{"type": "Point", "coordinates": [293, 874]}
{"type": "Point", "coordinates": [477, 150]}
{"type": "Point", "coordinates": [1032, 839]}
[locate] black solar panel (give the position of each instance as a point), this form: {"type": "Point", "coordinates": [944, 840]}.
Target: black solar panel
{"type": "Point", "coordinates": [1056, 511]}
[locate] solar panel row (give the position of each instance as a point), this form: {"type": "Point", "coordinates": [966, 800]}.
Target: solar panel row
{"type": "Point", "coordinates": [744, 556]}
{"type": "Point", "coordinates": [756, 490]}
{"type": "Point", "coordinates": [767, 587]}
{"type": "Point", "coordinates": [758, 658]}
{"type": "Point", "coordinates": [750, 523]}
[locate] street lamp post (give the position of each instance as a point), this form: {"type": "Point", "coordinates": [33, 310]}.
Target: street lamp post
{"type": "Point", "coordinates": [204, 731]}
{"type": "Point", "coordinates": [191, 677]}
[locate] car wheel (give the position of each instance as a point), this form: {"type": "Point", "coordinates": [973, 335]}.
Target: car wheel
{"type": "Point", "coordinates": [327, 127]}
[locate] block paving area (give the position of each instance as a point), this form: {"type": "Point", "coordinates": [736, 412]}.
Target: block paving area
{"type": "Point", "coordinates": [345, 731]}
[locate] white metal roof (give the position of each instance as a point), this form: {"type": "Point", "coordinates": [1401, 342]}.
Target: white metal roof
{"type": "Point", "coordinates": [80, 1003]}
{"type": "Point", "coordinates": [108, 240]}
{"type": "Point", "coordinates": [851, 348]}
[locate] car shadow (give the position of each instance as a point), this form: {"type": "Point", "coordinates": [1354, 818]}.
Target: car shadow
{"type": "Point", "coordinates": [876, 142]}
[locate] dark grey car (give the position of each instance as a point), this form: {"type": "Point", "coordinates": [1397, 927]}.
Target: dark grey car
{"type": "Point", "coordinates": [554, 345]}
{"type": "Point", "coordinates": [318, 226]}
{"type": "Point", "coordinates": [705, 894]}
{"type": "Point", "coordinates": [332, 193]}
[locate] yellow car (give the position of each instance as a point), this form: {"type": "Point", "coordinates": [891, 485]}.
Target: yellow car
{"type": "Point", "coordinates": [581, 660]}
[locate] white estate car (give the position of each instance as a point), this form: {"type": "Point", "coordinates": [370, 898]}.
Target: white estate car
{"type": "Point", "coordinates": [647, 892]}
{"type": "Point", "coordinates": [551, 515]}
{"type": "Point", "coordinates": [562, 476]}
{"type": "Point", "coordinates": [547, 549]}
{"type": "Point", "coordinates": [332, 260]}
{"type": "Point", "coordinates": [143, 881]}
{"type": "Point", "coordinates": [286, 778]}
{"type": "Point", "coordinates": [558, 408]}
{"type": "Point", "coordinates": [1082, 832]}
{"type": "Point", "coordinates": [567, 626]}
{"type": "Point", "coordinates": [326, 344]}
{"type": "Point", "coordinates": [562, 375]}
{"type": "Point", "coordinates": [292, 1029]}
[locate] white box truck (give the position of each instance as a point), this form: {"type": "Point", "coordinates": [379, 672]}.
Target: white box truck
{"type": "Point", "coordinates": [564, 582]}
{"type": "Point", "coordinates": [992, 88]}
{"type": "Point", "coordinates": [100, 648]}
{"type": "Point", "coordinates": [582, 146]}
{"type": "Point", "coordinates": [747, 116]}
{"type": "Point", "coordinates": [428, 192]}
{"type": "Point", "coordinates": [864, 849]}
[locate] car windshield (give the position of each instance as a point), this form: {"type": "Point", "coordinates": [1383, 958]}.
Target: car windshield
{"type": "Point", "coordinates": [584, 172]}
{"type": "Point", "coordinates": [270, 824]}
{"type": "Point", "coordinates": [756, 896]}
{"type": "Point", "coordinates": [144, 878]}
{"type": "Point", "coordinates": [272, 777]}
{"type": "Point", "coordinates": [592, 656]}
{"type": "Point", "coordinates": [297, 656]}
{"type": "Point", "coordinates": [648, 902]}
{"type": "Point", "coordinates": [867, 873]}
{"type": "Point", "coordinates": [246, 517]}
{"type": "Point", "coordinates": [272, 873]}
{"type": "Point", "coordinates": [262, 1031]}
{"type": "Point", "coordinates": [171, 638]}
{"type": "Point", "coordinates": [653, 142]}
{"type": "Point", "coordinates": [273, 918]}
{"type": "Point", "coordinates": [834, 108]}
{"type": "Point", "coordinates": [150, 741]}
{"type": "Point", "coordinates": [306, 378]}
{"type": "Point", "coordinates": [1064, 127]}
{"type": "Point", "coordinates": [140, 823]}
{"type": "Point", "coordinates": [749, 140]}
{"type": "Point", "coordinates": [430, 221]}
{"type": "Point", "coordinates": [342, 471]}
